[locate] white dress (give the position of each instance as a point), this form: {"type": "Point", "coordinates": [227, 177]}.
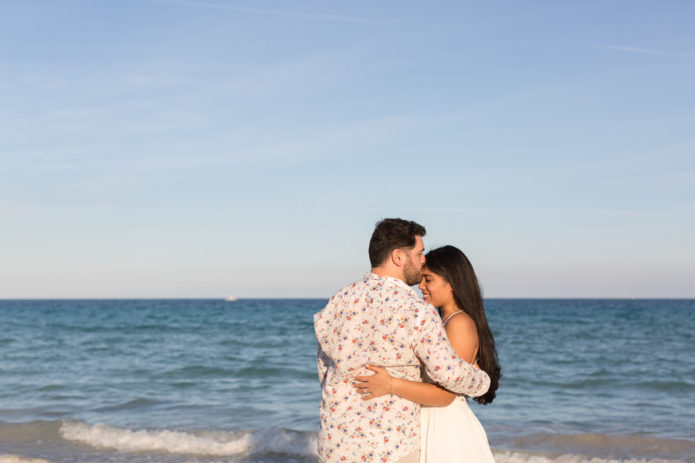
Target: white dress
{"type": "Point", "coordinates": [453, 434]}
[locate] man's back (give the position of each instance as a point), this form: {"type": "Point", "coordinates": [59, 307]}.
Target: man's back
{"type": "Point", "coordinates": [379, 321]}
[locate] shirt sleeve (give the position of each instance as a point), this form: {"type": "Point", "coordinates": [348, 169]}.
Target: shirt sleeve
{"type": "Point", "coordinates": [322, 359]}
{"type": "Point", "coordinates": [321, 364]}
{"type": "Point", "coordinates": [440, 360]}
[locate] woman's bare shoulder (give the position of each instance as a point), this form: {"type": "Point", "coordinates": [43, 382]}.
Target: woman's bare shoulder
{"type": "Point", "coordinates": [461, 326]}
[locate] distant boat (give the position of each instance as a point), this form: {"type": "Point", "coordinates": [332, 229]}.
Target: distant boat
{"type": "Point", "coordinates": [230, 298]}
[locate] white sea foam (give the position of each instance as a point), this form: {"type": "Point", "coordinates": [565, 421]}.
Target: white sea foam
{"type": "Point", "coordinates": [639, 448]}
{"type": "Point", "coordinates": [277, 441]}
{"type": "Point", "coordinates": [523, 457]}
{"type": "Point", "coordinates": [8, 458]}
{"type": "Point", "coordinates": [500, 457]}
{"type": "Point", "coordinates": [178, 442]}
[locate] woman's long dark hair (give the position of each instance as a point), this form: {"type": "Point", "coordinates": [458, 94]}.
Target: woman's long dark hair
{"type": "Point", "coordinates": [453, 265]}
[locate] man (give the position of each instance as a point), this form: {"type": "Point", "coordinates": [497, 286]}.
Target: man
{"type": "Point", "coordinates": [380, 320]}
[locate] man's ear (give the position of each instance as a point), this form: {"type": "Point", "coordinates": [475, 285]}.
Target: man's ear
{"type": "Point", "coordinates": [398, 257]}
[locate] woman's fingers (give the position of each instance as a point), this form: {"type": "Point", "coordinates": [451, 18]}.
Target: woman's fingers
{"type": "Point", "coordinates": [362, 383]}
{"type": "Point", "coordinates": [374, 368]}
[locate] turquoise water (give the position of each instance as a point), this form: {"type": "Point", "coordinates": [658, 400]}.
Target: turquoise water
{"type": "Point", "coordinates": [208, 380]}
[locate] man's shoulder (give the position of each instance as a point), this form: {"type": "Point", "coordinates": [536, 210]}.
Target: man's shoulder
{"type": "Point", "coordinates": [356, 286]}
{"type": "Point", "coordinates": [424, 309]}
{"type": "Point", "coordinates": [343, 293]}
{"type": "Point", "coordinates": [384, 289]}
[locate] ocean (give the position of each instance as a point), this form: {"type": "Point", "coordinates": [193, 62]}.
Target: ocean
{"type": "Point", "coordinates": [584, 381]}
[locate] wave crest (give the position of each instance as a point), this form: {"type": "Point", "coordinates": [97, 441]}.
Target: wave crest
{"type": "Point", "coordinates": [185, 443]}
{"type": "Point", "coordinates": [523, 457]}
{"type": "Point", "coordinates": [637, 447]}
{"type": "Point", "coordinates": [8, 458]}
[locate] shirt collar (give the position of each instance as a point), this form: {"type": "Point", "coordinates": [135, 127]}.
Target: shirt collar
{"type": "Point", "coordinates": [392, 280]}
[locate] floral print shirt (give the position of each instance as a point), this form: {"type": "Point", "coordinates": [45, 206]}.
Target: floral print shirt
{"type": "Point", "coordinates": [380, 321]}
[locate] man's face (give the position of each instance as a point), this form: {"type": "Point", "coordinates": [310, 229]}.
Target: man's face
{"type": "Point", "coordinates": [415, 260]}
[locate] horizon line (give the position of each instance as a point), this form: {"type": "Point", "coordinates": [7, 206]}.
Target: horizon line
{"type": "Point", "coordinates": [624, 298]}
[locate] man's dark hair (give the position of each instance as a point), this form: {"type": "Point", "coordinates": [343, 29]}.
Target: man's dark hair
{"type": "Point", "coordinates": [390, 234]}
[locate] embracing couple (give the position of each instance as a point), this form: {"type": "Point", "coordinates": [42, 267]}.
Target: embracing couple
{"type": "Point", "coordinates": [384, 352]}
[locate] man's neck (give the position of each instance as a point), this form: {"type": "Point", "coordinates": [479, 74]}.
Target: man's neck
{"type": "Point", "coordinates": [386, 272]}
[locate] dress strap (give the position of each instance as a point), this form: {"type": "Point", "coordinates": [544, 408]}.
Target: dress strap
{"type": "Point", "coordinates": [446, 320]}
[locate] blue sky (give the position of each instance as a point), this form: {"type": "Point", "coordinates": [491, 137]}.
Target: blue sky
{"type": "Point", "coordinates": [205, 148]}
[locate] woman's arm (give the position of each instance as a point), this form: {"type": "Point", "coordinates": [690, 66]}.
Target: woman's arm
{"type": "Point", "coordinates": [382, 383]}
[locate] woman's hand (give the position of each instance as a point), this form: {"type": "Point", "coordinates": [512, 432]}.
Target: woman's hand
{"type": "Point", "coordinates": [375, 385]}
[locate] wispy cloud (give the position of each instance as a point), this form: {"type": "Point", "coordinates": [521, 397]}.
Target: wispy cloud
{"type": "Point", "coordinates": [570, 211]}
{"type": "Point", "coordinates": [271, 12]}
{"type": "Point", "coordinates": [108, 150]}
{"type": "Point", "coordinates": [646, 51]}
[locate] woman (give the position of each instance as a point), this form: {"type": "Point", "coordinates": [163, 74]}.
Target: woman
{"type": "Point", "coordinates": [450, 432]}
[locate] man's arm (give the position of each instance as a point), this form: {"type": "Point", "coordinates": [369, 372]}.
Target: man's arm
{"type": "Point", "coordinates": [322, 360]}
{"type": "Point", "coordinates": [321, 364]}
{"type": "Point", "coordinates": [441, 362]}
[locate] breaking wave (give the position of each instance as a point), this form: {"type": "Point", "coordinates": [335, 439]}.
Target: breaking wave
{"type": "Point", "coordinates": [283, 445]}
{"type": "Point", "coordinates": [204, 443]}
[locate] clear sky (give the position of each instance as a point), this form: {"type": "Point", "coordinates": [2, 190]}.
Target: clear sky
{"type": "Point", "coordinates": [193, 148]}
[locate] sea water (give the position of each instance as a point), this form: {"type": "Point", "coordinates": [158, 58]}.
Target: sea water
{"type": "Point", "coordinates": [584, 381]}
